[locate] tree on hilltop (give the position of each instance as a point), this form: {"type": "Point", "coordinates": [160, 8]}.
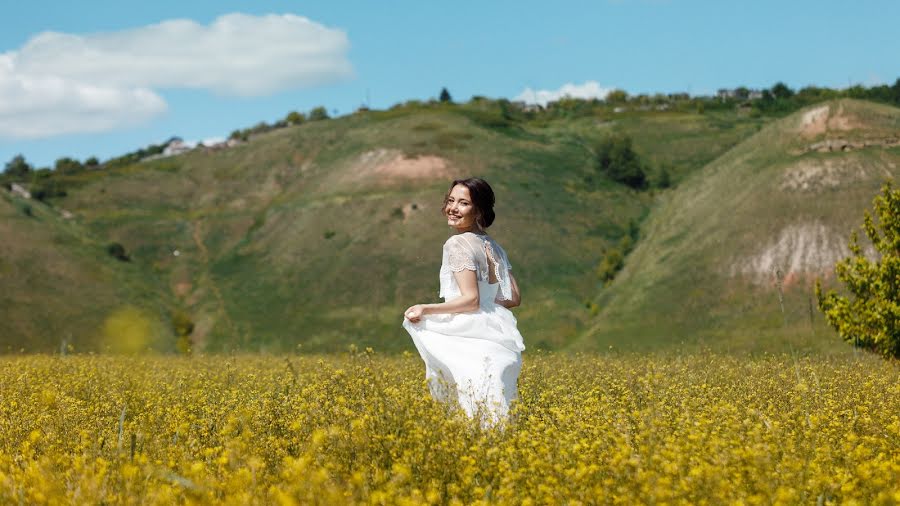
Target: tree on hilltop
{"type": "Point", "coordinates": [67, 165]}
{"type": "Point", "coordinates": [870, 317]}
{"type": "Point", "coordinates": [445, 96]}
{"type": "Point", "coordinates": [318, 114]}
{"type": "Point", "coordinates": [18, 167]}
{"type": "Point", "coordinates": [295, 118]}
{"type": "Point", "coordinates": [617, 97]}
{"type": "Point", "coordinates": [781, 91]}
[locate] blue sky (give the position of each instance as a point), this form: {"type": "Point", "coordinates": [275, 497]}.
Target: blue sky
{"type": "Point", "coordinates": [390, 52]}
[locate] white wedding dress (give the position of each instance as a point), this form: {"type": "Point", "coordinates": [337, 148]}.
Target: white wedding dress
{"type": "Point", "coordinates": [473, 358]}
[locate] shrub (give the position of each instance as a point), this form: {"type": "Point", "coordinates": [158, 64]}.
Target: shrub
{"type": "Point", "coordinates": [663, 179]}
{"type": "Point", "coordinates": [117, 251]}
{"type": "Point", "coordinates": [17, 167]}
{"type": "Point", "coordinates": [610, 265]}
{"type": "Point", "coordinates": [48, 190]}
{"type": "Point", "coordinates": [870, 317]}
{"type": "Point", "coordinates": [618, 161]}
{"type": "Point", "coordinates": [318, 114]}
{"type": "Point", "coordinates": [184, 327]}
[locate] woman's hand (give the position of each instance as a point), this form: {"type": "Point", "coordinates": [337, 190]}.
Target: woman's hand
{"type": "Point", "coordinates": [414, 313]}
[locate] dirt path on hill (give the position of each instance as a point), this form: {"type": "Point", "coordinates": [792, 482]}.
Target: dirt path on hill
{"type": "Point", "coordinates": [206, 277]}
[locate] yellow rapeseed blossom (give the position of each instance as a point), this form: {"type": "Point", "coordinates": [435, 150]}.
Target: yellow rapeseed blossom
{"type": "Point", "coordinates": [361, 428]}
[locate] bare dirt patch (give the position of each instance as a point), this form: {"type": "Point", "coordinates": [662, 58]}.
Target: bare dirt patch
{"type": "Point", "coordinates": [182, 289]}
{"type": "Point", "coordinates": [840, 120]}
{"type": "Point", "coordinates": [824, 119]}
{"type": "Point", "coordinates": [814, 175]}
{"type": "Point", "coordinates": [800, 250]}
{"type": "Point", "coordinates": [394, 164]}
{"type": "Point", "coordinates": [815, 121]}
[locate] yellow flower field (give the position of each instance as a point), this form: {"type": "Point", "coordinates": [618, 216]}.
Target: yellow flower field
{"type": "Point", "coordinates": [361, 428]}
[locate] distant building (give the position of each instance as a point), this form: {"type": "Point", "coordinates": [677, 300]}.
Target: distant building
{"type": "Point", "coordinates": [176, 147]}
{"type": "Point", "coordinates": [736, 93]}
{"type": "Point", "coordinates": [725, 93]}
{"type": "Point", "coordinates": [524, 106]}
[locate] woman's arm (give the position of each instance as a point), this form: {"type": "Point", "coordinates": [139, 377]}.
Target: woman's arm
{"type": "Point", "coordinates": [467, 301]}
{"type": "Point", "coordinates": [516, 298]}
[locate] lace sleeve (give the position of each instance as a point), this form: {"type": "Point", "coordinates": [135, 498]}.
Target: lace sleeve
{"type": "Point", "coordinates": [460, 256]}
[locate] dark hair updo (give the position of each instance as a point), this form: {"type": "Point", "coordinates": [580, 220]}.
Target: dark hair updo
{"type": "Point", "coordinates": [482, 198]}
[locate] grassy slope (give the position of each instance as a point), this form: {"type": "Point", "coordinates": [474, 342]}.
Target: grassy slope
{"type": "Point", "coordinates": [59, 285]}
{"type": "Point", "coordinates": [683, 284]}
{"type": "Point", "coordinates": [288, 240]}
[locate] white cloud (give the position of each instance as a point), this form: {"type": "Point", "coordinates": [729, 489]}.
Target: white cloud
{"type": "Point", "coordinates": [42, 106]}
{"type": "Point", "coordinates": [62, 83]}
{"type": "Point", "coordinates": [588, 90]}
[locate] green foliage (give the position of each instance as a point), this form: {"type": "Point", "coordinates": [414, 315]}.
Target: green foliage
{"type": "Point", "coordinates": [495, 120]}
{"type": "Point", "coordinates": [26, 209]}
{"type": "Point", "coordinates": [136, 156]}
{"type": "Point", "coordinates": [614, 258]}
{"type": "Point", "coordinates": [117, 251]}
{"type": "Point", "coordinates": [445, 96]}
{"type": "Point", "coordinates": [870, 317]}
{"type": "Point", "coordinates": [617, 160]}
{"type": "Point", "coordinates": [663, 179]}
{"type": "Point", "coordinates": [17, 167]}
{"type": "Point", "coordinates": [295, 118]}
{"type": "Point", "coordinates": [781, 91]}
{"type": "Point", "coordinates": [617, 97]}
{"type": "Point", "coordinates": [318, 113]}
{"type": "Point", "coordinates": [611, 263]}
{"type": "Point", "coordinates": [68, 165]}
{"type": "Point", "coordinates": [48, 188]}
{"type": "Point", "coordinates": [184, 327]}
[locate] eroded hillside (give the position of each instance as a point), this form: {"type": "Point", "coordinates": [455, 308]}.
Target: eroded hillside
{"type": "Point", "coordinates": [735, 250]}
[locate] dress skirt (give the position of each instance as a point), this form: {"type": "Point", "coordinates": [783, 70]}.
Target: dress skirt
{"type": "Point", "coordinates": [472, 359]}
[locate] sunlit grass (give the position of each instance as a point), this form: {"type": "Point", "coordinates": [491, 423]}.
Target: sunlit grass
{"type": "Point", "coordinates": [680, 429]}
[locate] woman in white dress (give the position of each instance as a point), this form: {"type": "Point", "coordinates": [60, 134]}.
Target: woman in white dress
{"type": "Point", "coordinates": [470, 344]}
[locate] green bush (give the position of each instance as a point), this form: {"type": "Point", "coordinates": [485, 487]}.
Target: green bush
{"type": "Point", "coordinates": [117, 251]}
{"type": "Point", "coordinates": [318, 114]}
{"type": "Point", "coordinates": [870, 317]}
{"type": "Point", "coordinates": [617, 160]}
{"type": "Point", "coordinates": [610, 265]}
{"type": "Point", "coordinates": [47, 190]}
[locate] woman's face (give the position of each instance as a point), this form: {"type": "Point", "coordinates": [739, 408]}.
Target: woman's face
{"type": "Point", "coordinates": [460, 211]}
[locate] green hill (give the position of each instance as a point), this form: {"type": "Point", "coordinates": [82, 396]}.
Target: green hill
{"type": "Point", "coordinates": [749, 233]}
{"type": "Point", "coordinates": [61, 288]}
{"type": "Point", "coordinates": [321, 234]}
